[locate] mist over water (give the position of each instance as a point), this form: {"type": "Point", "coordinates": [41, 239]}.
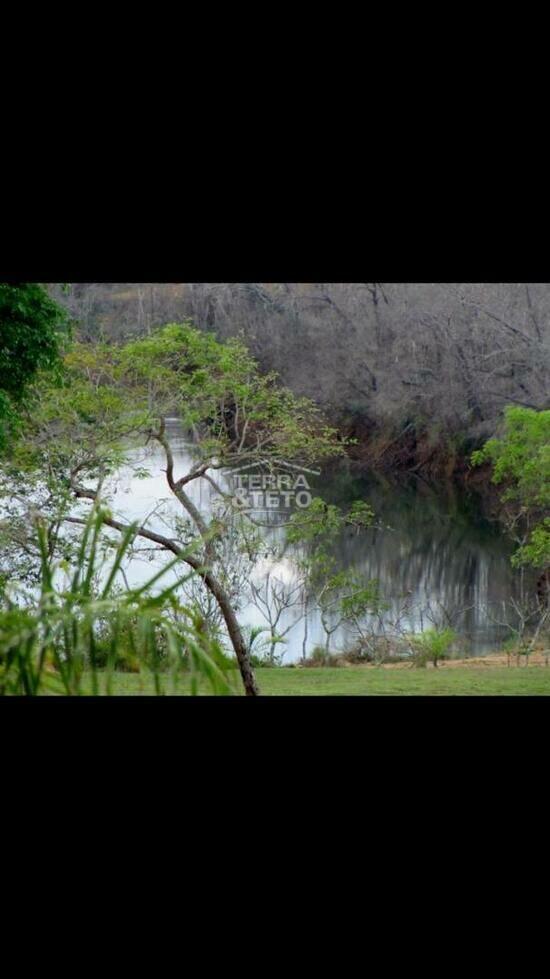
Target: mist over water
{"type": "Point", "coordinates": [430, 549]}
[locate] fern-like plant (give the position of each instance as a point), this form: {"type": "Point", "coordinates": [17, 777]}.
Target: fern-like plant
{"type": "Point", "coordinates": [72, 639]}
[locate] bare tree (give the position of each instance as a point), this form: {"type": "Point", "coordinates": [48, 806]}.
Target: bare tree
{"type": "Point", "coordinates": [274, 599]}
{"type": "Point", "coordinates": [418, 373]}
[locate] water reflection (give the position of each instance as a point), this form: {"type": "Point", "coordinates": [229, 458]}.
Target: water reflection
{"type": "Point", "coordinates": [429, 549]}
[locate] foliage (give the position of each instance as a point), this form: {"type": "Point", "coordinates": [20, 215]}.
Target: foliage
{"type": "Point", "coordinates": [432, 646]}
{"type": "Point", "coordinates": [261, 645]}
{"type": "Point", "coordinates": [32, 328]}
{"type": "Point", "coordinates": [340, 595]}
{"type": "Point", "coordinates": [521, 458]}
{"type": "Point", "coordinates": [112, 399]}
{"type": "Point", "coordinates": [322, 522]}
{"type": "Point", "coordinates": [443, 355]}
{"type": "Point", "coordinates": [536, 552]}
{"type": "Point", "coordinates": [60, 642]}
{"type": "Point", "coordinates": [319, 657]}
{"type": "Point", "coordinates": [220, 393]}
{"type": "Point", "coordinates": [521, 463]}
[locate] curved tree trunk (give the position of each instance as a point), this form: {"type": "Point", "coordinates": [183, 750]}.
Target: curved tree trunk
{"type": "Point", "coordinates": [235, 633]}
{"type": "Point", "coordinates": [224, 602]}
{"type": "Point", "coordinates": [213, 585]}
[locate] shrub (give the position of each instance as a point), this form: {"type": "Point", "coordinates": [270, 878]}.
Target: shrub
{"type": "Point", "coordinates": [78, 632]}
{"type": "Point", "coordinates": [320, 657]}
{"type": "Point", "coordinates": [378, 649]}
{"type": "Point", "coordinates": [431, 646]}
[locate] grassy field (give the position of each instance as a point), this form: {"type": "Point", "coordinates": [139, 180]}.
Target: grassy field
{"type": "Point", "coordinates": [485, 680]}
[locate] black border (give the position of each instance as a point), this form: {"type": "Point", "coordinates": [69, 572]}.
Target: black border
{"type": "Point", "coordinates": [406, 746]}
{"type": "Point", "coordinates": [407, 227]}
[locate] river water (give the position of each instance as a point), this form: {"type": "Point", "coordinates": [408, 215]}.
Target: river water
{"type": "Point", "coordinates": [433, 552]}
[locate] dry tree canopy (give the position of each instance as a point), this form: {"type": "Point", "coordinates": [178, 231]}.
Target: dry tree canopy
{"type": "Point", "coordinates": [450, 355]}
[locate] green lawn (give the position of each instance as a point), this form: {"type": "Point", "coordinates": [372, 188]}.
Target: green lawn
{"type": "Point", "coordinates": [365, 681]}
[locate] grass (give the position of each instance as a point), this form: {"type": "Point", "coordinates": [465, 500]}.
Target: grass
{"type": "Point", "coordinates": [486, 680]}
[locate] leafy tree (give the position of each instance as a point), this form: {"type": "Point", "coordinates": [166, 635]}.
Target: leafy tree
{"type": "Point", "coordinates": [114, 398]}
{"type": "Point", "coordinates": [32, 327]}
{"type": "Point", "coordinates": [340, 595]}
{"type": "Point", "coordinates": [521, 464]}
{"type": "Point", "coordinates": [432, 646]}
{"type": "Point", "coordinates": [343, 596]}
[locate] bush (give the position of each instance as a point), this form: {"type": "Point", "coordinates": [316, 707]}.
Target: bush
{"type": "Point", "coordinates": [261, 661]}
{"type": "Point", "coordinates": [78, 632]}
{"type": "Point", "coordinates": [378, 649]}
{"type": "Point", "coordinates": [431, 646]}
{"type": "Point", "coordinates": [319, 657]}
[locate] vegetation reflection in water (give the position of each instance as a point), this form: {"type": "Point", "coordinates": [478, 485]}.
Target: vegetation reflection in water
{"type": "Point", "coordinates": [433, 552]}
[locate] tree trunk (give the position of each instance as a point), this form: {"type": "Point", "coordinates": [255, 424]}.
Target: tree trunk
{"type": "Point", "coordinates": [304, 641]}
{"type": "Point", "coordinates": [273, 646]}
{"type": "Point", "coordinates": [214, 587]}
{"type": "Point", "coordinates": [235, 634]}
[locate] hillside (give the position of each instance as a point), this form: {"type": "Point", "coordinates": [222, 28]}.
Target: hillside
{"type": "Point", "coordinates": [405, 367]}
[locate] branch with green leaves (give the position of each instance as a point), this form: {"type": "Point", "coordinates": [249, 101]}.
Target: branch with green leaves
{"type": "Point", "coordinates": [520, 461]}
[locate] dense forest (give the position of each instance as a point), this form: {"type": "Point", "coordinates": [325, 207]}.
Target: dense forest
{"type": "Point", "coordinates": [417, 371]}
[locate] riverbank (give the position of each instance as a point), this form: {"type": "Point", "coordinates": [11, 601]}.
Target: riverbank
{"type": "Point", "coordinates": [487, 676]}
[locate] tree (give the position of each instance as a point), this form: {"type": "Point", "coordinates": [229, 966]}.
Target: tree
{"type": "Point", "coordinates": [236, 414]}
{"type": "Point", "coordinates": [340, 595]}
{"type": "Point", "coordinates": [521, 465]}
{"type": "Point", "coordinates": [431, 646]}
{"type": "Point", "coordinates": [273, 598]}
{"type": "Point", "coordinates": [32, 327]}
{"type": "Point", "coordinates": [343, 596]}
{"type": "Point", "coordinates": [415, 370]}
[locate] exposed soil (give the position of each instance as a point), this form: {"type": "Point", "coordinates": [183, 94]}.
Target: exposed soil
{"type": "Point", "coordinates": [537, 658]}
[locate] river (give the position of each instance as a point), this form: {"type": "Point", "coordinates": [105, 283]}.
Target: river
{"type": "Point", "coordinates": [432, 550]}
